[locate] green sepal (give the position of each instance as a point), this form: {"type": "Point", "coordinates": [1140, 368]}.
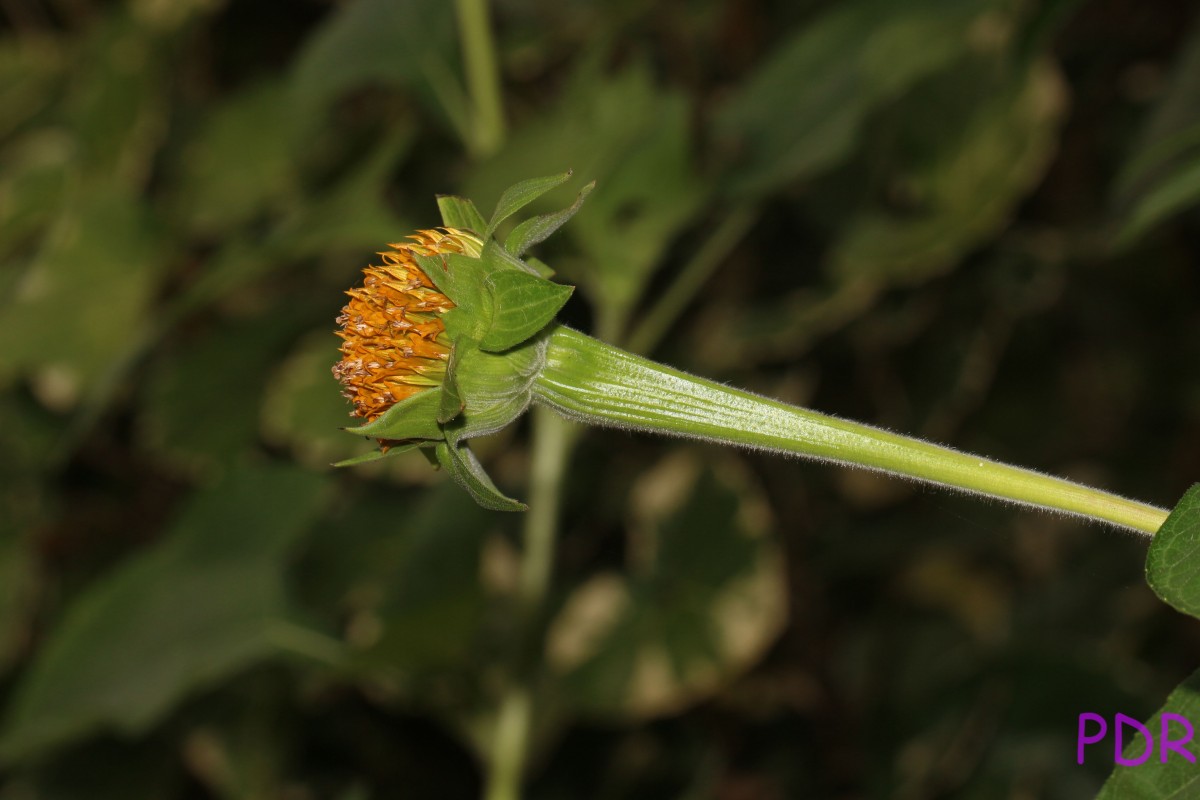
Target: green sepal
{"type": "Point", "coordinates": [498, 259]}
{"type": "Point", "coordinates": [540, 267]}
{"type": "Point", "coordinates": [376, 455]}
{"type": "Point", "coordinates": [459, 277]}
{"type": "Point", "coordinates": [464, 280]}
{"type": "Point", "coordinates": [459, 212]}
{"type": "Point", "coordinates": [451, 404]}
{"type": "Point", "coordinates": [537, 229]}
{"type": "Point", "coordinates": [520, 195]}
{"type": "Point", "coordinates": [429, 451]}
{"type": "Point", "coordinates": [466, 470]}
{"type": "Point", "coordinates": [412, 418]}
{"type": "Point", "coordinates": [496, 388]}
{"type": "Point", "coordinates": [524, 304]}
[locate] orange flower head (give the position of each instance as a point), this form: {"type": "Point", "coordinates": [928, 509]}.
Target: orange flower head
{"type": "Point", "coordinates": [394, 338]}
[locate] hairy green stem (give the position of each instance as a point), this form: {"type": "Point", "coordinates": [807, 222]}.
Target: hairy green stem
{"type": "Point", "coordinates": [483, 77]}
{"type": "Point", "coordinates": [593, 382]}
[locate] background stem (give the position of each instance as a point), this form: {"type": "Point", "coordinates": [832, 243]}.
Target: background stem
{"type": "Point", "coordinates": [483, 77]}
{"type": "Point", "coordinates": [553, 438]}
{"type": "Point", "coordinates": [695, 274]}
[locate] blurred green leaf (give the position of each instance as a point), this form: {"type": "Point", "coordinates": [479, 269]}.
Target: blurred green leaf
{"type": "Point", "coordinates": [188, 612]}
{"type": "Point", "coordinates": [240, 163]}
{"type": "Point", "coordinates": [1176, 191]}
{"type": "Point", "coordinates": [1173, 562]}
{"type": "Point", "coordinates": [803, 110]}
{"type": "Point", "coordinates": [426, 571]}
{"type": "Point", "coordinates": [86, 300]}
{"type": "Point", "coordinates": [302, 408]}
{"type": "Point", "coordinates": [705, 599]}
{"type": "Point", "coordinates": [27, 437]}
{"type": "Point", "coordinates": [973, 149]}
{"type": "Point", "coordinates": [30, 73]}
{"type": "Point", "coordinates": [18, 570]}
{"type": "Point", "coordinates": [350, 216]}
{"type": "Point", "coordinates": [1161, 176]}
{"type": "Point", "coordinates": [35, 173]}
{"type": "Point", "coordinates": [115, 105]}
{"type": "Point", "coordinates": [1153, 779]}
{"type": "Point", "coordinates": [354, 213]}
{"type": "Point", "coordinates": [105, 770]}
{"type": "Point", "coordinates": [381, 41]}
{"type": "Point", "coordinates": [203, 400]}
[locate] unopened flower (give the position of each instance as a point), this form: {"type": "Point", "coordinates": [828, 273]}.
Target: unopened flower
{"type": "Point", "coordinates": [395, 342]}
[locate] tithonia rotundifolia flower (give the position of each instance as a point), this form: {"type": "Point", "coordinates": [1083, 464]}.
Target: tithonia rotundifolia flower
{"type": "Point", "coordinates": [394, 340]}
{"type": "Point", "coordinates": [454, 336]}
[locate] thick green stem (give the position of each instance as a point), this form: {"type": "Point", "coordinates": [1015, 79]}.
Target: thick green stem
{"type": "Point", "coordinates": [483, 77]}
{"type": "Point", "coordinates": [592, 382]}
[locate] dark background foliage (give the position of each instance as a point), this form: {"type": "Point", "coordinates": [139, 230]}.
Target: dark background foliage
{"type": "Point", "coordinates": [970, 220]}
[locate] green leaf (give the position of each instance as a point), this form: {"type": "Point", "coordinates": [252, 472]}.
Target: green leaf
{"type": "Point", "coordinates": [1173, 562]}
{"type": "Point", "coordinates": [520, 195]}
{"type": "Point", "coordinates": [466, 470]}
{"type": "Point", "coordinates": [459, 212]}
{"type": "Point", "coordinates": [412, 418]}
{"type": "Point", "coordinates": [185, 614]}
{"type": "Point", "coordinates": [1153, 779]}
{"type": "Point", "coordinates": [524, 305]}
{"type": "Point", "coordinates": [537, 229]}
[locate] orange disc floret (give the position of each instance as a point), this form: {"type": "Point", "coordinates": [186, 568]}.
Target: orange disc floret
{"type": "Point", "coordinates": [394, 339]}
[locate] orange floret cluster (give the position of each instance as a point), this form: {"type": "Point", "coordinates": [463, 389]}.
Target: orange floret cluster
{"type": "Point", "coordinates": [394, 339]}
